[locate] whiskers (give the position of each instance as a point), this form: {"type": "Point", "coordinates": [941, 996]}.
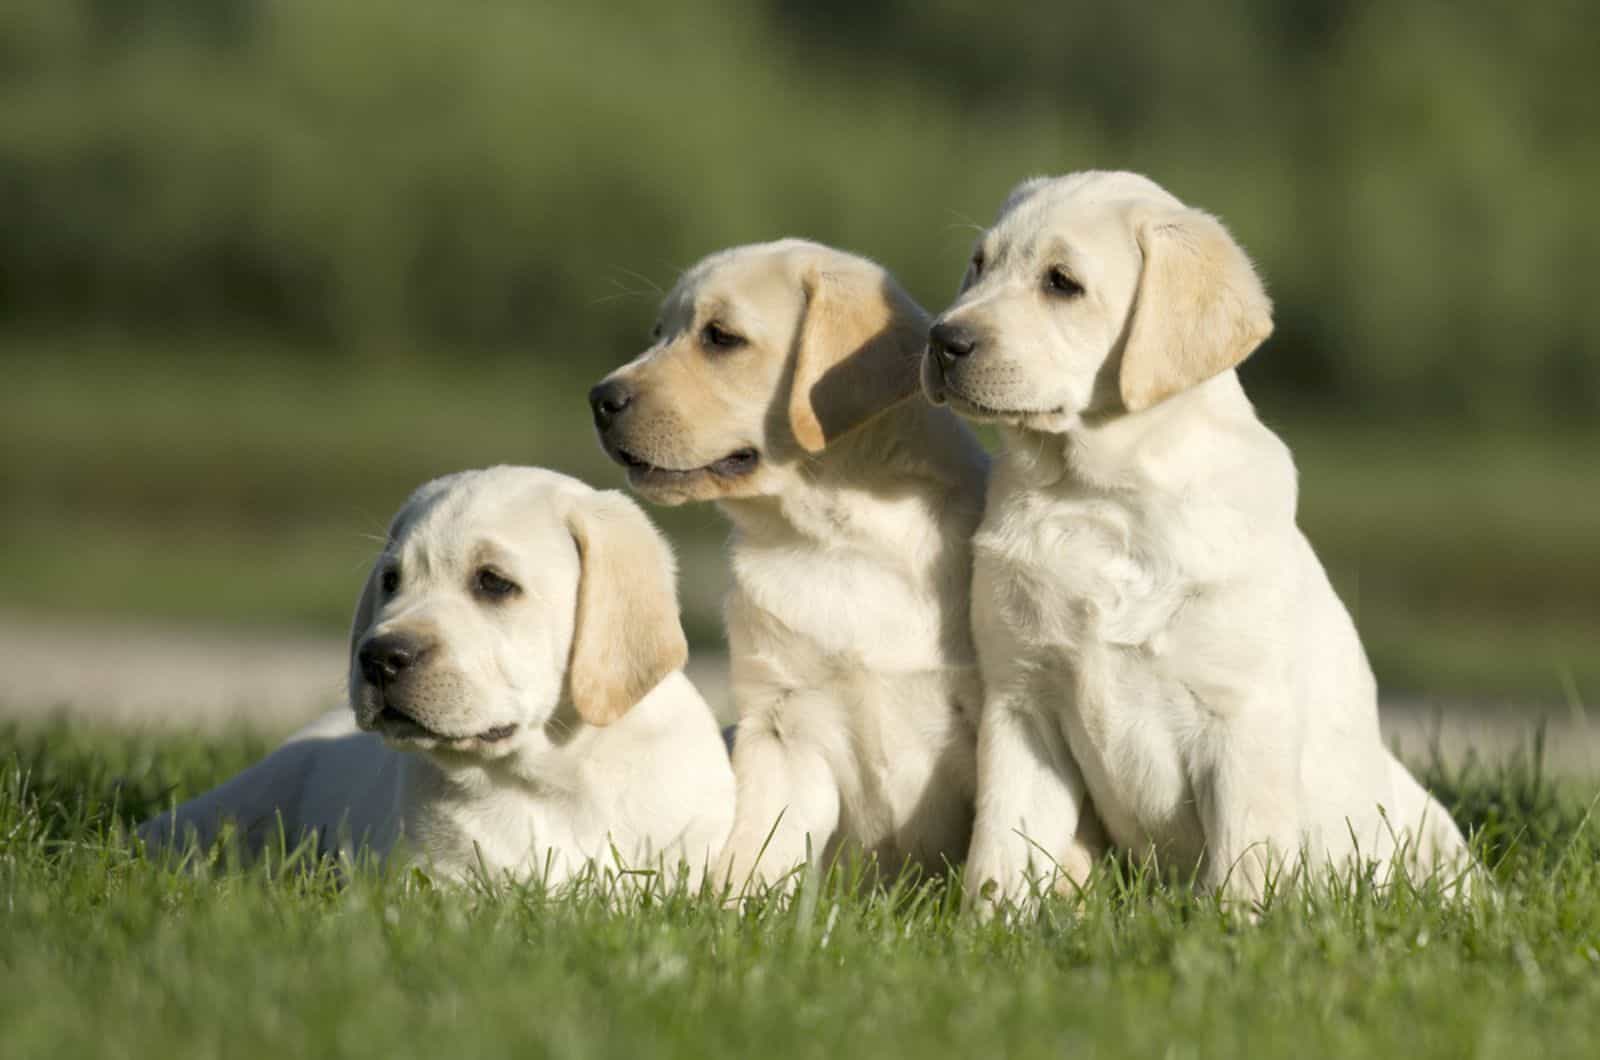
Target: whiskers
{"type": "Point", "coordinates": [963, 223]}
{"type": "Point", "coordinates": [643, 286]}
{"type": "Point", "coordinates": [562, 725]}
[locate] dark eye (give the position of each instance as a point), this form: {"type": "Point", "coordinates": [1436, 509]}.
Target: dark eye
{"type": "Point", "coordinates": [717, 337]}
{"type": "Point", "coordinates": [492, 585]}
{"type": "Point", "coordinates": [974, 270]}
{"type": "Point", "coordinates": [390, 581]}
{"type": "Point", "coordinates": [655, 333]}
{"type": "Point", "coordinates": [1058, 282]}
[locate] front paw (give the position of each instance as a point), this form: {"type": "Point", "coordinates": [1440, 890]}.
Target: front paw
{"type": "Point", "coordinates": [754, 872]}
{"type": "Point", "coordinates": [1249, 881]}
{"type": "Point", "coordinates": [994, 885]}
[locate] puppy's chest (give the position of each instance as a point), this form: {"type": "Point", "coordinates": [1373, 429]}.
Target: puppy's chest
{"type": "Point", "coordinates": [844, 608]}
{"type": "Point", "coordinates": [1117, 614]}
{"type": "Point", "coordinates": [1087, 574]}
{"type": "Point", "coordinates": [502, 831]}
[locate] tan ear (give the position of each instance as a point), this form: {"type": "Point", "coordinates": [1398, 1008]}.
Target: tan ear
{"type": "Point", "coordinates": [1200, 309]}
{"type": "Point", "coordinates": [627, 636]}
{"type": "Point", "coordinates": [859, 353]}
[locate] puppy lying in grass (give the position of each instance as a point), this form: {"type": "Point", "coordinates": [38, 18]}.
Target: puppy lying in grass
{"type": "Point", "coordinates": [782, 384]}
{"type": "Point", "coordinates": [1154, 631]}
{"type": "Point", "coordinates": [516, 701]}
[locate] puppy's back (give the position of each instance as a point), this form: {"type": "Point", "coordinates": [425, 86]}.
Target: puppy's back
{"type": "Point", "coordinates": [328, 782]}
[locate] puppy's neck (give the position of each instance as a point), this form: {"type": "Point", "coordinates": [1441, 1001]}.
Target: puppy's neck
{"type": "Point", "coordinates": [911, 457]}
{"type": "Point", "coordinates": [542, 761]}
{"type": "Point", "coordinates": [550, 761]}
{"type": "Point", "coordinates": [1166, 447]}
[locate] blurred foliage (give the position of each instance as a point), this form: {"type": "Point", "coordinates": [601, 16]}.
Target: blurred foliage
{"type": "Point", "coordinates": [265, 265]}
{"type": "Point", "coordinates": [374, 178]}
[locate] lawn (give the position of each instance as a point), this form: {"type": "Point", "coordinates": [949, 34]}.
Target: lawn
{"type": "Point", "coordinates": [103, 953]}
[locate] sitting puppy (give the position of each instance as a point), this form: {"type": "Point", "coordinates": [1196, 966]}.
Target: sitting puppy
{"type": "Point", "coordinates": [517, 705]}
{"type": "Point", "coordinates": [777, 386]}
{"type": "Point", "coordinates": [1151, 624]}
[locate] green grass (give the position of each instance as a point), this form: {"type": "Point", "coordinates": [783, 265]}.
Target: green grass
{"type": "Point", "coordinates": [103, 953]}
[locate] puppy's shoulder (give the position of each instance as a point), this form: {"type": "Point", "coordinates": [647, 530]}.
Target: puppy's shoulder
{"type": "Point", "coordinates": [1248, 466]}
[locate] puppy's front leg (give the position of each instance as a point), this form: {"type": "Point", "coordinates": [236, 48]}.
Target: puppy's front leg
{"type": "Point", "coordinates": [788, 802]}
{"type": "Point", "coordinates": [1031, 806]}
{"type": "Point", "coordinates": [1247, 788]}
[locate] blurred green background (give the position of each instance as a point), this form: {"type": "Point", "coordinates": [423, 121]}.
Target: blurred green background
{"type": "Point", "coordinates": [267, 264]}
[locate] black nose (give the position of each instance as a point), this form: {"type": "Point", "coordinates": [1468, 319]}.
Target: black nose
{"type": "Point", "coordinates": [383, 659]}
{"type": "Point", "coordinates": [608, 400]}
{"type": "Point", "coordinates": [951, 341]}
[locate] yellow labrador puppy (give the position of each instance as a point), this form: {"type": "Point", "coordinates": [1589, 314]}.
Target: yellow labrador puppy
{"type": "Point", "coordinates": [1153, 628]}
{"type": "Point", "coordinates": [517, 705]}
{"type": "Point", "coordinates": [778, 386]}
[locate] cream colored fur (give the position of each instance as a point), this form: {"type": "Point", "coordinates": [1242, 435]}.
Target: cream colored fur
{"type": "Point", "coordinates": [1155, 632]}
{"type": "Point", "coordinates": [542, 732]}
{"type": "Point", "coordinates": [852, 508]}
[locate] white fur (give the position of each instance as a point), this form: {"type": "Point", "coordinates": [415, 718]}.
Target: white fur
{"type": "Point", "coordinates": [652, 789]}
{"type": "Point", "coordinates": [851, 654]}
{"type": "Point", "coordinates": [856, 698]}
{"type": "Point", "coordinates": [1156, 635]}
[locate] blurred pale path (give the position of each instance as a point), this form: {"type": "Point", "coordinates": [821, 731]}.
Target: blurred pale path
{"type": "Point", "coordinates": [187, 678]}
{"type": "Point", "coordinates": [149, 674]}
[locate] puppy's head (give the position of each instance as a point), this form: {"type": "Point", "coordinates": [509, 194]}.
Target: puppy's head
{"type": "Point", "coordinates": [501, 595]}
{"type": "Point", "coordinates": [762, 356]}
{"type": "Point", "coordinates": [1093, 293]}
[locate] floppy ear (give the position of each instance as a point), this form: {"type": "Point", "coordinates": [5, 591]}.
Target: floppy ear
{"type": "Point", "coordinates": [1200, 309]}
{"type": "Point", "coordinates": [859, 352]}
{"type": "Point", "coordinates": [627, 636]}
